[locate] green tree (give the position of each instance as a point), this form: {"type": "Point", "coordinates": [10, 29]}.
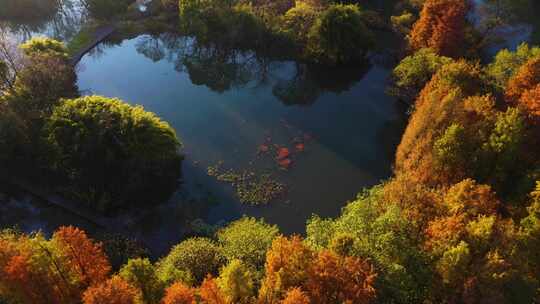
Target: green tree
{"type": "Point", "coordinates": [503, 148]}
{"type": "Point", "coordinates": [454, 264]}
{"type": "Point", "coordinates": [141, 274]}
{"type": "Point", "coordinates": [237, 282]}
{"type": "Point", "coordinates": [415, 71]}
{"type": "Point", "coordinates": [451, 148]}
{"type": "Point", "coordinates": [247, 240]}
{"type": "Point", "coordinates": [382, 233]}
{"type": "Point", "coordinates": [339, 36]}
{"type": "Point", "coordinates": [507, 63]}
{"type": "Point", "coordinates": [111, 151]}
{"type": "Point", "coordinates": [298, 21]}
{"type": "Point", "coordinates": [197, 256]}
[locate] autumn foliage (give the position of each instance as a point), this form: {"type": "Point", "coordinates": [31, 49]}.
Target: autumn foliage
{"type": "Point", "coordinates": [179, 293]}
{"type": "Point", "coordinates": [441, 27]}
{"type": "Point", "coordinates": [526, 78]}
{"type": "Point", "coordinates": [338, 279]}
{"type": "Point", "coordinates": [83, 255]}
{"type": "Point", "coordinates": [113, 291]}
{"type": "Point", "coordinates": [210, 292]}
{"type": "Point", "coordinates": [530, 101]}
{"type": "Point", "coordinates": [296, 296]}
{"type": "Point", "coordinates": [36, 270]}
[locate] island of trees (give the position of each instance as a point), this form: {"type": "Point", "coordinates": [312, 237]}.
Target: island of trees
{"type": "Point", "coordinates": [459, 221]}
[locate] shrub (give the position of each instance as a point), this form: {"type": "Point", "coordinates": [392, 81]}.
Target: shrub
{"type": "Point", "coordinates": [298, 21]}
{"type": "Point", "coordinates": [413, 72]}
{"type": "Point", "coordinates": [247, 240]}
{"type": "Point", "coordinates": [197, 256]}
{"type": "Point", "coordinates": [141, 274]}
{"type": "Point", "coordinates": [340, 36]}
{"type": "Point", "coordinates": [237, 281]}
{"type": "Point", "coordinates": [112, 151]}
{"type": "Point", "coordinates": [44, 46]}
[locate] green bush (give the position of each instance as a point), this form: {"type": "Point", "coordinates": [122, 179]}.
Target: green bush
{"type": "Point", "coordinates": [197, 257]}
{"type": "Point", "coordinates": [44, 46]}
{"type": "Point", "coordinates": [247, 240]}
{"type": "Point", "coordinates": [237, 282]}
{"type": "Point", "coordinates": [384, 235]}
{"type": "Point", "coordinates": [141, 274]}
{"type": "Point", "coordinates": [340, 36]}
{"type": "Point", "coordinates": [507, 63]}
{"type": "Point", "coordinates": [298, 21]}
{"type": "Point", "coordinates": [414, 72]}
{"type": "Point", "coordinates": [113, 152]}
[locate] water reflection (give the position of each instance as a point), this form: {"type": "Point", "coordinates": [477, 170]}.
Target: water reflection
{"type": "Point", "coordinates": [222, 68]}
{"type": "Point", "coordinates": [63, 22]}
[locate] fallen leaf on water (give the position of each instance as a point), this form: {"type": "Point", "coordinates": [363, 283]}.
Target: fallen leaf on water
{"type": "Point", "coordinates": [300, 147]}
{"type": "Point", "coordinates": [285, 163]}
{"type": "Point", "coordinates": [283, 153]}
{"type": "Point", "coordinates": [264, 148]}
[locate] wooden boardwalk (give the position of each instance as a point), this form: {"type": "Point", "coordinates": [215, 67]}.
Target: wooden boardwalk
{"type": "Point", "coordinates": [99, 35]}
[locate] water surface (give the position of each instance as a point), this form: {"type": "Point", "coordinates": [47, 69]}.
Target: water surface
{"type": "Point", "coordinates": [224, 105]}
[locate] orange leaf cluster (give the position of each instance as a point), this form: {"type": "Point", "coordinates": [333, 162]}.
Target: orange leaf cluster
{"type": "Point", "coordinates": [526, 78]}
{"type": "Point", "coordinates": [210, 292]}
{"type": "Point", "coordinates": [113, 291]}
{"type": "Point", "coordinates": [341, 279]}
{"type": "Point", "coordinates": [179, 293]}
{"type": "Point", "coordinates": [291, 268]}
{"type": "Point", "coordinates": [530, 101]}
{"type": "Point", "coordinates": [296, 296]}
{"type": "Point", "coordinates": [440, 27]}
{"type": "Point", "coordinates": [84, 256]}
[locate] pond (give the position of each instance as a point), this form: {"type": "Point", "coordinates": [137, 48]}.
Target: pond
{"type": "Point", "coordinates": [338, 124]}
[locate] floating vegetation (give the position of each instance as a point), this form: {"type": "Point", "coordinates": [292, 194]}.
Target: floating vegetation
{"type": "Point", "coordinates": [257, 189]}
{"type": "Point", "coordinates": [283, 153]}
{"type": "Point", "coordinates": [251, 188]}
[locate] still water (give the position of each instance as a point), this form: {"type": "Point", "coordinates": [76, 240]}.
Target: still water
{"type": "Point", "coordinates": [224, 105]}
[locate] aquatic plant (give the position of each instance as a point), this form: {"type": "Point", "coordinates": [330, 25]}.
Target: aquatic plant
{"type": "Point", "coordinates": [251, 188]}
